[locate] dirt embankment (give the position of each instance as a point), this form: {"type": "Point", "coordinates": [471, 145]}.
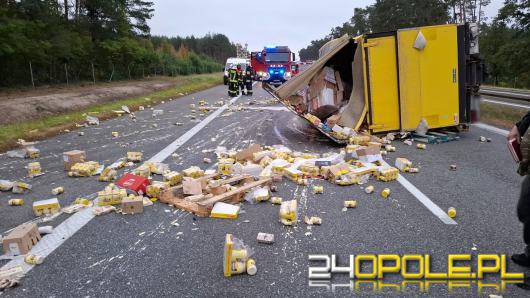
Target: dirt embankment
{"type": "Point", "coordinates": [34, 104]}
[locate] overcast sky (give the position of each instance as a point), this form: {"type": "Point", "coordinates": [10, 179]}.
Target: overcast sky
{"type": "Point", "coordinates": [273, 22]}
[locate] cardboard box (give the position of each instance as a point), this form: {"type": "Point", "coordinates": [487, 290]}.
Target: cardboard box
{"type": "Point", "coordinates": [132, 205]}
{"type": "Point", "coordinates": [369, 153]}
{"type": "Point", "coordinates": [322, 88]}
{"type": "Point", "coordinates": [155, 190]}
{"type": "Point", "coordinates": [191, 186]}
{"type": "Point", "coordinates": [338, 79]}
{"type": "Point", "coordinates": [72, 157]}
{"type": "Point", "coordinates": [21, 239]}
{"type": "Point", "coordinates": [135, 183]}
{"type": "Point", "coordinates": [295, 100]}
{"type": "Point", "coordinates": [111, 196]}
{"type": "Point", "coordinates": [338, 170]}
{"type": "Point", "coordinates": [265, 238]}
{"type": "Point", "coordinates": [332, 120]}
{"type": "Point", "coordinates": [248, 153]}
{"type": "Point", "coordinates": [224, 210]}
{"type": "Point", "coordinates": [46, 207]}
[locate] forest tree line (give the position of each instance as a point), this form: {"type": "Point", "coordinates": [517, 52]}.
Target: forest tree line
{"type": "Point", "coordinates": [504, 40]}
{"type": "Point", "coordinates": [62, 41]}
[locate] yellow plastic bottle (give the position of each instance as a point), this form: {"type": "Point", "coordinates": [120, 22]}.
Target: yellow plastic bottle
{"type": "Point", "coordinates": [385, 193]}
{"type": "Point", "coordinates": [451, 212]}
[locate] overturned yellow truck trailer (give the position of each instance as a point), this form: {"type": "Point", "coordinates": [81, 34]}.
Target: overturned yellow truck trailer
{"type": "Point", "coordinates": [389, 81]}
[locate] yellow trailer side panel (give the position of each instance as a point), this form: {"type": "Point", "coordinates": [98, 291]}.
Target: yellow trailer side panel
{"type": "Point", "coordinates": [429, 77]}
{"type": "Point", "coordinates": [382, 79]}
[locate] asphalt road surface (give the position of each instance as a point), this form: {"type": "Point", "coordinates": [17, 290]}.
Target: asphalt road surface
{"type": "Point", "coordinates": [145, 255]}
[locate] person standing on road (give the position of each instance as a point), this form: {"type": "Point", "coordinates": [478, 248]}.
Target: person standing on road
{"type": "Point", "coordinates": [232, 82]}
{"type": "Point", "coordinates": [521, 132]}
{"type": "Point", "coordinates": [240, 86]}
{"type": "Point", "coordinates": [248, 80]}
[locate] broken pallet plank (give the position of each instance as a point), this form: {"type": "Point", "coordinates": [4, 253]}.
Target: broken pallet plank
{"type": "Point", "coordinates": [227, 195]}
{"type": "Point", "coordinates": [177, 190]}
{"type": "Point", "coordinates": [199, 210]}
{"type": "Point", "coordinates": [197, 198]}
{"type": "Point", "coordinates": [220, 182]}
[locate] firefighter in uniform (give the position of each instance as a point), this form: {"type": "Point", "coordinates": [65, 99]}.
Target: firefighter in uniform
{"type": "Point", "coordinates": [233, 82]}
{"type": "Point", "coordinates": [248, 80]}
{"type": "Point", "coordinates": [240, 86]}
{"type": "Point", "coordinates": [521, 132]}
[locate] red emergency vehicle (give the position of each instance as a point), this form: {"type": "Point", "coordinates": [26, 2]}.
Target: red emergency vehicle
{"type": "Point", "coordinates": [274, 65]}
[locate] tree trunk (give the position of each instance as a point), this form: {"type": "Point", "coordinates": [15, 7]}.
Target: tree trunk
{"type": "Point", "coordinates": [66, 10]}
{"type": "Point", "coordinates": [31, 73]}
{"type": "Point", "coordinates": [93, 74]}
{"type": "Point", "coordinates": [77, 10]}
{"type": "Point", "coordinates": [479, 13]}
{"type": "Point", "coordinates": [66, 73]}
{"type": "Point", "coordinates": [463, 11]}
{"type": "Point", "coordinates": [454, 13]}
{"type": "Point", "coordinates": [112, 73]}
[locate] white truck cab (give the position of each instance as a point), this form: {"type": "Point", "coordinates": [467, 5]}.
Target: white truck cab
{"type": "Point", "coordinates": [234, 62]}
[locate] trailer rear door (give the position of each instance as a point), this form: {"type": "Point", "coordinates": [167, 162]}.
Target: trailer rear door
{"type": "Point", "coordinates": [428, 77]}
{"type": "Point", "coordinates": [382, 83]}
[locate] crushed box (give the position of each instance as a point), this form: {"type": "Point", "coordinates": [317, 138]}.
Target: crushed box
{"type": "Point", "coordinates": [72, 157]}
{"type": "Point", "coordinates": [132, 205]}
{"type": "Point", "coordinates": [369, 153]}
{"type": "Point", "coordinates": [21, 239]}
{"type": "Point", "coordinates": [191, 186]}
{"type": "Point", "coordinates": [248, 153]}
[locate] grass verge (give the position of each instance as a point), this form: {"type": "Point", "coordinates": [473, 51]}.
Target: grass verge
{"type": "Point", "coordinates": [499, 115]}
{"type": "Point", "coordinates": [53, 125]}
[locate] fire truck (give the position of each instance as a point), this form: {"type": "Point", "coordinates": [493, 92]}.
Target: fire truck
{"type": "Point", "coordinates": [274, 64]}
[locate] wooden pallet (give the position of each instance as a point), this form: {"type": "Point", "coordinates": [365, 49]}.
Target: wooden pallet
{"type": "Point", "coordinates": [201, 205]}
{"type": "Point", "coordinates": [435, 137]}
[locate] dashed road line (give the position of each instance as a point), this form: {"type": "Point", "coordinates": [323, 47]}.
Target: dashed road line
{"type": "Point", "coordinates": [162, 155]}
{"type": "Point", "coordinates": [74, 223]}
{"type": "Point", "coordinates": [437, 211]}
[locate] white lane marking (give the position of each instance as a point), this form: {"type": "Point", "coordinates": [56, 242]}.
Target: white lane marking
{"type": "Point", "coordinates": [490, 128]}
{"type": "Point", "coordinates": [52, 241]}
{"type": "Point", "coordinates": [506, 103]}
{"type": "Point", "coordinates": [160, 156]}
{"type": "Point", "coordinates": [437, 211]}
{"type": "Point", "coordinates": [75, 222]}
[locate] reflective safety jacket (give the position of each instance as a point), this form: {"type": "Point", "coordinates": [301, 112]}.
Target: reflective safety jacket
{"type": "Point", "coordinates": [233, 76]}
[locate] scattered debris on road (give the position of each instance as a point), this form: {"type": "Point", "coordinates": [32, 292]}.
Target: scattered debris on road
{"type": "Point", "coordinates": [350, 204]}
{"type": "Point", "coordinates": [385, 193]}
{"type": "Point", "coordinates": [313, 220]}
{"type": "Point", "coordinates": [451, 212]}
{"type": "Point", "coordinates": [265, 238]}
{"type": "Point", "coordinates": [235, 176]}
{"type": "Point", "coordinates": [236, 257]}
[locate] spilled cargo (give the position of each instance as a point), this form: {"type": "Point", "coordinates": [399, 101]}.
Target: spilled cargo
{"type": "Point", "coordinates": [406, 80]}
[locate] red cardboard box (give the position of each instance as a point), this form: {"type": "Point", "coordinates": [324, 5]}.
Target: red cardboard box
{"type": "Point", "coordinates": [135, 183]}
